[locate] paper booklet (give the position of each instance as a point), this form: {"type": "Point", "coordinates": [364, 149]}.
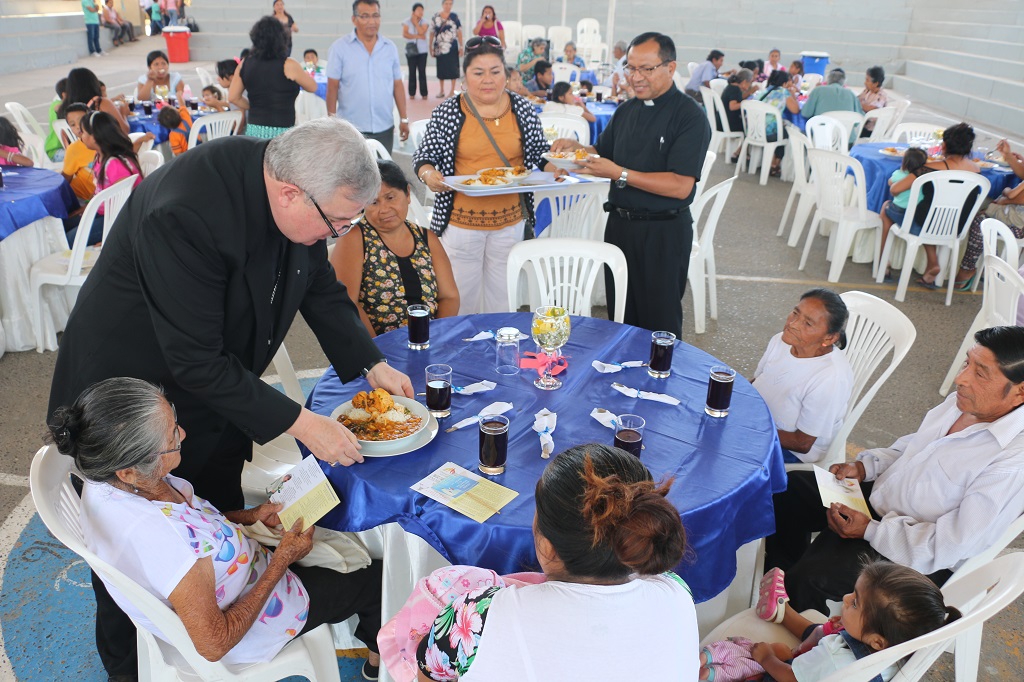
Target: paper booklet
{"type": "Point", "coordinates": [465, 492]}
{"type": "Point", "coordinates": [846, 491]}
{"type": "Point", "coordinates": [304, 491]}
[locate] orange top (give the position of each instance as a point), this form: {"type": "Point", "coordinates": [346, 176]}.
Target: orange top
{"type": "Point", "coordinates": [474, 153]}
{"type": "Point", "coordinates": [78, 160]}
{"type": "Point", "coordinates": [178, 137]}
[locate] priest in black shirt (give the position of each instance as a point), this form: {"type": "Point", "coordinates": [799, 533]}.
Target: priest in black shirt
{"type": "Point", "coordinates": [653, 150]}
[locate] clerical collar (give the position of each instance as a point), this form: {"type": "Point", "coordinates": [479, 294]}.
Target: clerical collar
{"type": "Point", "coordinates": [651, 102]}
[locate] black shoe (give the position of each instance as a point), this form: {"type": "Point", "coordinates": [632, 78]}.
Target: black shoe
{"type": "Point", "coordinates": [122, 678]}
{"type": "Point", "coordinates": [370, 672]}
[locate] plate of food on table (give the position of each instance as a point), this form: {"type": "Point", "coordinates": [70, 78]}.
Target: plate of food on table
{"type": "Point", "coordinates": [386, 425]}
{"type": "Point", "coordinates": [892, 151]}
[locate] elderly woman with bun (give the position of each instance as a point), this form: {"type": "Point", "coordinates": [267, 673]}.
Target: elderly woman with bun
{"type": "Point", "coordinates": [239, 601]}
{"type": "Point", "coordinates": [805, 378]}
{"type": "Point", "coordinates": [606, 539]}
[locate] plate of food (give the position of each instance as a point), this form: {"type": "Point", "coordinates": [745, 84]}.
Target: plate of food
{"type": "Point", "coordinates": [385, 424]}
{"type": "Point", "coordinates": [986, 164]}
{"type": "Point", "coordinates": [892, 151]}
{"type": "Point", "coordinates": [478, 183]}
{"type": "Point", "coordinates": [513, 173]}
{"type": "Point", "coordinates": [567, 160]}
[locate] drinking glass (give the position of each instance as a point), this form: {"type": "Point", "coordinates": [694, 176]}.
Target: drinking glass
{"type": "Point", "coordinates": [720, 384]}
{"type": "Point", "coordinates": [629, 433]}
{"type": "Point", "coordinates": [439, 390]}
{"type": "Point", "coordinates": [550, 329]}
{"type": "Point", "coordinates": [131, 104]}
{"type": "Point", "coordinates": [419, 326]}
{"type": "Point", "coordinates": [506, 351]}
{"type": "Point", "coordinates": [493, 444]}
{"type": "Point", "coordinates": [147, 108]}
{"type": "Point", "coordinates": [662, 346]}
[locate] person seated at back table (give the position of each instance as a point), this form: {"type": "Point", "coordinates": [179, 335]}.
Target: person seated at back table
{"type": "Point", "coordinates": [159, 81]}
{"type": "Point", "coordinates": [543, 77]}
{"type": "Point", "coordinates": [78, 158]}
{"type": "Point", "coordinates": [570, 57]}
{"type": "Point", "coordinates": [11, 145]}
{"type": "Point", "coordinates": [179, 124]}
{"type": "Point", "coordinates": [607, 540]}
{"type": "Point", "coordinates": [781, 94]}
{"type": "Point", "coordinates": [805, 378]}
{"type": "Point", "coordinates": [530, 56]}
{"type": "Point", "coordinates": [937, 497]}
{"type": "Point", "coordinates": [705, 73]}
{"type": "Point", "coordinates": [515, 84]}
{"type": "Point", "coordinates": [740, 87]}
{"type": "Point", "coordinates": [872, 96]}
{"type": "Point", "coordinates": [125, 439]}
{"type": "Point", "coordinates": [833, 96]}
{"type": "Point", "coordinates": [311, 60]}
{"type": "Point", "coordinates": [562, 100]}
{"type": "Point", "coordinates": [213, 99]}
{"type": "Point", "coordinates": [796, 72]}
{"type": "Point", "coordinates": [388, 263]}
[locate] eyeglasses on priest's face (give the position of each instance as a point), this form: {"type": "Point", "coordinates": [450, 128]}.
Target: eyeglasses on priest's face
{"type": "Point", "coordinates": [644, 71]}
{"type": "Point", "coordinates": [475, 42]}
{"type": "Point", "coordinates": [327, 221]}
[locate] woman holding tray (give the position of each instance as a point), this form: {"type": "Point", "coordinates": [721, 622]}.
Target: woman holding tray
{"type": "Point", "coordinates": [464, 136]}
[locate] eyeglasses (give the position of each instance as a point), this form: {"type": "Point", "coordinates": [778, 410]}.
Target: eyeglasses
{"type": "Point", "coordinates": [177, 435]}
{"type": "Point", "coordinates": [476, 41]}
{"type": "Point", "coordinates": [366, 17]}
{"type": "Point", "coordinates": [327, 221]}
{"type": "Point", "coordinates": [644, 71]}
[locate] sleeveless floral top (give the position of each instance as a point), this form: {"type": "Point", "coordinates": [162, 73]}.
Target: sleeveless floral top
{"type": "Point", "coordinates": [384, 293]}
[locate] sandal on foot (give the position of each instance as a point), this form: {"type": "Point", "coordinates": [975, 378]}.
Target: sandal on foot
{"type": "Point", "coordinates": [772, 597]}
{"type": "Point", "coordinates": [888, 278]}
{"type": "Point", "coordinates": [922, 282]}
{"type": "Point", "coordinates": [775, 172]}
{"type": "Point", "coordinates": [964, 284]}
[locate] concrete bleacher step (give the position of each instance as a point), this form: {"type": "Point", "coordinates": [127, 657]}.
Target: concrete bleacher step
{"type": "Point", "coordinates": [981, 66]}
{"type": "Point", "coordinates": [955, 30]}
{"type": "Point", "coordinates": [975, 110]}
{"type": "Point", "coordinates": [39, 41]}
{"type": "Point", "coordinates": [980, 48]}
{"type": "Point", "coordinates": [971, 84]}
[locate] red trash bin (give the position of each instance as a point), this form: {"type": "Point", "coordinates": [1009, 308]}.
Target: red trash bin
{"type": "Point", "coordinates": [177, 43]}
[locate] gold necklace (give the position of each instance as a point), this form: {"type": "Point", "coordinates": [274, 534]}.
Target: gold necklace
{"type": "Point", "coordinates": [497, 120]}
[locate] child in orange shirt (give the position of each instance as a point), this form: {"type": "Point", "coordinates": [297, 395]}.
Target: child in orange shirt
{"type": "Point", "coordinates": [179, 122]}
{"type": "Point", "coordinates": [78, 159]}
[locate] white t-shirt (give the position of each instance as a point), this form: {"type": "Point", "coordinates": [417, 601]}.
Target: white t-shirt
{"type": "Point", "coordinates": [805, 394]}
{"type": "Point", "coordinates": [831, 654]}
{"type": "Point", "coordinates": [164, 91]}
{"type": "Point", "coordinates": [568, 631]}
{"type": "Point", "coordinates": [157, 543]}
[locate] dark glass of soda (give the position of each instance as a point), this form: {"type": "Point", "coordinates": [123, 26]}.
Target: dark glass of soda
{"type": "Point", "coordinates": [439, 390]}
{"type": "Point", "coordinates": [599, 95]}
{"type": "Point", "coordinates": [147, 108]}
{"type": "Point", "coordinates": [629, 433]}
{"type": "Point", "coordinates": [493, 444]}
{"type": "Point", "coordinates": [419, 326]}
{"type": "Point", "coordinates": [720, 384]}
{"type": "Point", "coordinates": [662, 346]}
{"type": "Point", "coordinates": [193, 104]}
{"type": "Point", "coordinates": [131, 104]}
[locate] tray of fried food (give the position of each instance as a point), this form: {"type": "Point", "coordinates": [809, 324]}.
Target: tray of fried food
{"type": "Point", "coordinates": [513, 173]}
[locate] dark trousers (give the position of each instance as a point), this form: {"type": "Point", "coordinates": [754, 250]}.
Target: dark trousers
{"type": "Point", "coordinates": [418, 67]}
{"type": "Point", "coordinates": [385, 137]}
{"type": "Point", "coordinates": [657, 259]}
{"type": "Point", "coordinates": [826, 568]}
{"type": "Point", "coordinates": [92, 36]}
{"type": "Point", "coordinates": [335, 597]}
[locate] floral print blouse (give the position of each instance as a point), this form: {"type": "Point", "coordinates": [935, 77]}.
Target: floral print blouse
{"type": "Point", "coordinates": [446, 32]}
{"type": "Point", "coordinates": [383, 292]}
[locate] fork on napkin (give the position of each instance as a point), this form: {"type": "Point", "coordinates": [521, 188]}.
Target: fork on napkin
{"type": "Point", "coordinates": [646, 395]}
{"type": "Point", "coordinates": [489, 411]}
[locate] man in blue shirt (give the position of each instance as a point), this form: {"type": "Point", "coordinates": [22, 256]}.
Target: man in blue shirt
{"type": "Point", "coordinates": [542, 79]}
{"type": "Point", "coordinates": [705, 73]}
{"type": "Point", "coordinates": [364, 78]}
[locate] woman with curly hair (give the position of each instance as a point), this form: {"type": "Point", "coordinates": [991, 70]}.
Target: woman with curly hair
{"type": "Point", "coordinates": [271, 79]}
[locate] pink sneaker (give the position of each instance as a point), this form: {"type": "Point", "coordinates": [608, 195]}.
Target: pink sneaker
{"type": "Point", "coordinates": [772, 597]}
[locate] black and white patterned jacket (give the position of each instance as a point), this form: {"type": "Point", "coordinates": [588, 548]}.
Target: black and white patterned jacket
{"type": "Point", "coordinates": [442, 137]}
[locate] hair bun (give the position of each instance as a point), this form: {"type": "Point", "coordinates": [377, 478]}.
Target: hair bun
{"type": "Point", "coordinates": [63, 427]}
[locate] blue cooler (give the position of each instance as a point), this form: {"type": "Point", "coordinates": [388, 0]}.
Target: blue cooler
{"type": "Point", "coordinates": [815, 62]}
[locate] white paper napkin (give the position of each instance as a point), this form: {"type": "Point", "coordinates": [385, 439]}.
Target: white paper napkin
{"type": "Point", "coordinates": [489, 334]}
{"type": "Point", "coordinates": [605, 417]}
{"type": "Point", "coordinates": [478, 387]}
{"type": "Point", "coordinates": [646, 395]}
{"type": "Point", "coordinates": [544, 424]}
{"type": "Point", "coordinates": [489, 411]}
{"type": "Point", "coordinates": [609, 367]}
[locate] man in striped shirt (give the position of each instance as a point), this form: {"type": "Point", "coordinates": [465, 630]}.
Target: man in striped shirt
{"type": "Point", "coordinates": [937, 497]}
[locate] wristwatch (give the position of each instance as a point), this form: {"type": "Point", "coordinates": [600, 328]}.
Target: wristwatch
{"type": "Point", "coordinates": [621, 182]}
{"type": "Point", "coordinates": [403, 120]}
{"type": "Point", "coordinates": [366, 370]}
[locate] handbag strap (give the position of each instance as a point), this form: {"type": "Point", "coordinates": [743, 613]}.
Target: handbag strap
{"type": "Point", "coordinates": [501, 155]}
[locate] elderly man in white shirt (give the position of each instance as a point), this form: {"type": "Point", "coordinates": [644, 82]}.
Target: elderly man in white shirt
{"type": "Point", "coordinates": [937, 497]}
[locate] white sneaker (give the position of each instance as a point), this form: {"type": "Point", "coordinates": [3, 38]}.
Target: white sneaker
{"type": "Point", "coordinates": [96, 54]}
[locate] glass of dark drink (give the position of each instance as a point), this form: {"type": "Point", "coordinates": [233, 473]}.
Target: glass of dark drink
{"type": "Point", "coordinates": [172, 100]}
{"type": "Point", "coordinates": [720, 390]}
{"type": "Point", "coordinates": [147, 108]}
{"type": "Point", "coordinates": [131, 104]}
{"type": "Point", "coordinates": [493, 444]}
{"type": "Point", "coordinates": [599, 95]}
{"type": "Point", "coordinates": [439, 390]}
{"type": "Point", "coordinates": [662, 345]}
{"type": "Point", "coordinates": [629, 433]}
{"type": "Point", "coordinates": [419, 326]}
{"type": "Point", "coordinates": [193, 104]}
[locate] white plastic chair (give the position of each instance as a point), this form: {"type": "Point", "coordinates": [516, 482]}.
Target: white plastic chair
{"type": "Point", "coordinates": [558, 36]}
{"type": "Point", "coordinates": [980, 595]}
{"type": "Point", "coordinates": [727, 136]}
{"type": "Point", "coordinates": [875, 328]}
{"type": "Point", "coordinates": [378, 149]}
{"type": "Point", "coordinates": [566, 271]}
{"type": "Point", "coordinates": [217, 125]}
{"type": "Point", "coordinates": [718, 85]}
{"type": "Point", "coordinates": [57, 503]}
{"type": "Point", "coordinates": [64, 132]}
{"type": "Point", "coordinates": [997, 240]}
{"type": "Point", "coordinates": [803, 191]}
{"type": "Point", "coordinates": [35, 149]}
{"type": "Point", "coordinates": [705, 173]}
{"type": "Point", "coordinates": [513, 38]}
{"type": "Point", "coordinates": [755, 121]}
{"type": "Point", "coordinates": [57, 269]}
{"type": "Point", "coordinates": [830, 171]}
{"type": "Point", "coordinates": [576, 211]}
{"type": "Point", "coordinates": [941, 226]}
{"type": "Point", "coordinates": [593, 54]}
{"type": "Point", "coordinates": [567, 125]}
{"type": "Point", "coordinates": [145, 146]}
{"type": "Point", "coordinates": [531, 31]}
{"type": "Point", "coordinates": [565, 73]}
{"type": "Point", "coordinates": [149, 161]}
{"type": "Point", "coordinates": [812, 80]}
{"type": "Point", "coordinates": [588, 30]}
{"type": "Point", "coordinates": [1002, 291]}
{"type": "Point", "coordinates": [691, 67]}
{"type": "Point", "coordinates": [916, 133]}
{"type": "Point", "coordinates": [205, 76]}
{"type": "Point", "coordinates": [883, 119]}
{"type": "Point", "coordinates": [901, 107]}
{"type": "Point", "coordinates": [852, 121]}
{"type": "Point", "coordinates": [702, 253]}
{"type": "Point", "coordinates": [827, 133]}
{"type": "Point", "coordinates": [309, 107]}
{"type": "Point", "coordinates": [24, 119]}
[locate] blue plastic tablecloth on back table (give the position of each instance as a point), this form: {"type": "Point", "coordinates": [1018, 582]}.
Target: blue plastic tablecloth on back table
{"type": "Point", "coordinates": [140, 123]}
{"type": "Point", "coordinates": [725, 470]}
{"type": "Point", "coordinates": [30, 194]}
{"type": "Point", "coordinates": [878, 168]}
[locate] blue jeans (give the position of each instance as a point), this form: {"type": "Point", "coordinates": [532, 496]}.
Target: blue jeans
{"type": "Point", "coordinates": [172, 17]}
{"type": "Point", "coordinates": [92, 34]}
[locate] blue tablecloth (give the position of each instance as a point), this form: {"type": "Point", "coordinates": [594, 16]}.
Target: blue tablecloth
{"type": "Point", "coordinates": [602, 112]}
{"type": "Point", "coordinates": [141, 123]}
{"type": "Point", "coordinates": [725, 470]}
{"type": "Point", "coordinates": [30, 194]}
{"type": "Point", "coordinates": [796, 119]}
{"type": "Point", "coordinates": [321, 85]}
{"type": "Point", "coordinates": [878, 168]}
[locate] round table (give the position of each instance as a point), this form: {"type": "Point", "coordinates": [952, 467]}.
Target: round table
{"type": "Point", "coordinates": [878, 168]}
{"type": "Point", "coordinates": [602, 112]}
{"type": "Point", "coordinates": [725, 470]}
{"type": "Point", "coordinates": [30, 194]}
{"type": "Point", "coordinates": [140, 123]}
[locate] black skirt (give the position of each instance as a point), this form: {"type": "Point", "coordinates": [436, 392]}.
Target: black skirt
{"type": "Point", "coordinates": [448, 64]}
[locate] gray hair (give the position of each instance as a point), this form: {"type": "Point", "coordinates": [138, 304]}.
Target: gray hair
{"type": "Point", "coordinates": [322, 156]}
{"type": "Point", "coordinates": [620, 45]}
{"type": "Point", "coordinates": [538, 41]}
{"type": "Point", "coordinates": [114, 424]}
{"type": "Point", "coordinates": [742, 75]}
{"type": "Point", "coordinates": [569, 44]}
{"type": "Point", "coordinates": [836, 76]}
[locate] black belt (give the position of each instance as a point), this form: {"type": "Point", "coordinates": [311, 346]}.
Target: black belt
{"type": "Point", "coordinates": [641, 214]}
